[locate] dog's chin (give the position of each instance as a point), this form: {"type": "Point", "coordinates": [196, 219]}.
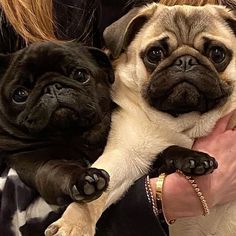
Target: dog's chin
{"type": "Point", "coordinates": [68, 120]}
{"type": "Point", "coordinates": [63, 118]}
{"type": "Point", "coordinates": [63, 121]}
{"type": "Point", "coordinates": [184, 98]}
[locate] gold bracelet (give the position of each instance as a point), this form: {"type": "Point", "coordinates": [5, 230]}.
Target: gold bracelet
{"type": "Point", "coordinates": [159, 185]}
{"type": "Point", "coordinates": [159, 190]}
{"type": "Point", "coordinates": [205, 207]}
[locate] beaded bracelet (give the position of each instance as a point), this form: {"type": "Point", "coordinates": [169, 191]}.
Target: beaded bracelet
{"type": "Point", "coordinates": [205, 207]}
{"type": "Point", "coordinates": [150, 196]}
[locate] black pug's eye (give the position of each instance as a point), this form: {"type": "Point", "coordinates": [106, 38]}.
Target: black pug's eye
{"type": "Point", "coordinates": [81, 76]}
{"type": "Point", "coordinates": [217, 54]}
{"type": "Point", "coordinates": [155, 55]}
{"type": "Point", "coordinates": [20, 95]}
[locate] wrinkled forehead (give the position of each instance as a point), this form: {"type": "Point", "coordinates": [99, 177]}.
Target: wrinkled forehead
{"type": "Point", "coordinates": [186, 23]}
{"type": "Point", "coordinates": [49, 56]}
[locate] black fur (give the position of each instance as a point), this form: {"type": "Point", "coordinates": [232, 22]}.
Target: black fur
{"type": "Point", "coordinates": [190, 162]}
{"type": "Point", "coordinates": [62, 126]}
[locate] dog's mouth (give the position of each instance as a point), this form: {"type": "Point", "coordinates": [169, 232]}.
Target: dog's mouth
{"type": "Point", "coordinates": [69, 119]}
{"type": "Point", "coordinates": [64, 116]}
{"type": "Point", "coordinates": [184, 98]}
{"type": "Point", "coordinates": [187, 96]}
{"type": "Point", "coordinates": [61, 119]}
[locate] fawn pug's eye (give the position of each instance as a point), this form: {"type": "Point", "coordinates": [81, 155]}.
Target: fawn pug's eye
{"type": "Point", "coordinates": [20, 95]}
{"type": "Point", "coordinates": [217, 54]}
{"type": "Point", "coordinates": [155, 55]}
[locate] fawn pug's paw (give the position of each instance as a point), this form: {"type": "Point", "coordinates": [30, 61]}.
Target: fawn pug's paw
{"type": "Point", "coordinates": [76, 221]}
{"type": "Point", "coordinates": [64, 228]}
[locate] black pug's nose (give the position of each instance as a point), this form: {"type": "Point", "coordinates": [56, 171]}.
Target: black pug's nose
{"type": "Point", "coordinates": [53, 89]}
{"type": "Point", "coordinates": [186, 62]}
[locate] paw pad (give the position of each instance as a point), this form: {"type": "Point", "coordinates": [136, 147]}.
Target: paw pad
{"type": "Point", "coordinates": [90, 185]}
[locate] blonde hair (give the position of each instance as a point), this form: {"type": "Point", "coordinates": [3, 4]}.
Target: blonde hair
{"type": "Point", "coordinates": [32, 19]}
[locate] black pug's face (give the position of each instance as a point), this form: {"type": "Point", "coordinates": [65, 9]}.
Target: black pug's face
{"type": "Point", "coordinates": [53, 88]}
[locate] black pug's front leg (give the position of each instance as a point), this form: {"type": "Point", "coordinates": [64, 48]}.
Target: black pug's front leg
{"type": "Point", "coordinates": [63, 181]}
{"type": "Point", "coordinates": [190, 162]}
{"type": "Point", "coordinates": [60, 181]}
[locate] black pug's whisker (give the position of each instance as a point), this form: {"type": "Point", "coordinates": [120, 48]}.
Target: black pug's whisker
{"type": "Point", "coordinates": [91, 106]}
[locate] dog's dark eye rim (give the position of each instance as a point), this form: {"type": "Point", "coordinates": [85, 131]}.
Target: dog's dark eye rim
{"type": "Point", "coordinates": [227, 54]}
{"type": "Point", "coordinates": [212, 47]}
{"type": "Point", "coordinates": [80, 75]}
{"type": "Point", "coordinates": [217, 54]}
{"type": "Point", "coordinates": [155, 54]}
{"type": "Point", "coordinates": [20, 95]}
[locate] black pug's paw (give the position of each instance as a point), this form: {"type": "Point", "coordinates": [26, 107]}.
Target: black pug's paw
{"type": "Point", "coordinates": [190, 162]}
{"type": "Point", "coordinates": [90, 185]}
{"type": "Point", "coordinates": [196, 164]}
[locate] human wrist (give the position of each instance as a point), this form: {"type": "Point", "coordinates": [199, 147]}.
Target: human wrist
{"type": "Point", "coordinates": [178, 195]}
{"type": "Point", "coordinates": [207, 185]}
{"type": "Point", "coordinates": [197, 190]}
{"type": "Point", "coordinates": [157, 187]}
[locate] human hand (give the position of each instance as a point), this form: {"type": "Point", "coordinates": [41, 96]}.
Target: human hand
{"type": "Point", "coordinates": [220, 186]}
{"type": "Point", "coordinates": [217, 188]}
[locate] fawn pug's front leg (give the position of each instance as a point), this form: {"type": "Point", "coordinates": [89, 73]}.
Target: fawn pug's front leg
{"type": "Point", "coordinates": [78, 219]}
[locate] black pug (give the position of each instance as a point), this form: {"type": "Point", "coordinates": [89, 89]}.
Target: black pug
{"type": "Point", "coordinates": [55, 116]}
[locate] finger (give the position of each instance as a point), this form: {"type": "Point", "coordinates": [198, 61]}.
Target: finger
{"type": "Point", "coordinates": [223, 123]}
{"type": "Point", "coordinates": [219, 128]}
{"type": "Point", "coordinates": [232, 121]}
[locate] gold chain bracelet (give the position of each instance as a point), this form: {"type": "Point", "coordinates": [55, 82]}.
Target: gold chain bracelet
{"type": "Point", "coordinates": [204, 204]}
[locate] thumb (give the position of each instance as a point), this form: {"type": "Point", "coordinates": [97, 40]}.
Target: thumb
{"type": "Point", "coordinates": [220, 127]}
{"type": "Point", "coordinates": [223, 124]}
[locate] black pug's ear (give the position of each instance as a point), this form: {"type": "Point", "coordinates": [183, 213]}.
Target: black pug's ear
{"type": "Point", "coordinates": [5, 60]}
{"type": "Point", "coordinates": [120, 34]}
{"type": "Point", "coordinates": [103, 61]}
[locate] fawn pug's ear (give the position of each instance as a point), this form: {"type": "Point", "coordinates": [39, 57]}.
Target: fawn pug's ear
{"type": "Point", "coordinates": [119, 35]}
{"type": "Point", "coordinates": [230, 17]}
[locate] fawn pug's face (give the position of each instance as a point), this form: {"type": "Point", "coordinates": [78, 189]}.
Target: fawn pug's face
{"type": "Point", "coordinates": [180, 58]}
{"type": "Point", "coordinates": [54, 87]}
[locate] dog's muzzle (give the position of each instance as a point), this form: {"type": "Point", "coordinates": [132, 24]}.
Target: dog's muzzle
{"type": "Point", "coordinates": [186, 86]}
